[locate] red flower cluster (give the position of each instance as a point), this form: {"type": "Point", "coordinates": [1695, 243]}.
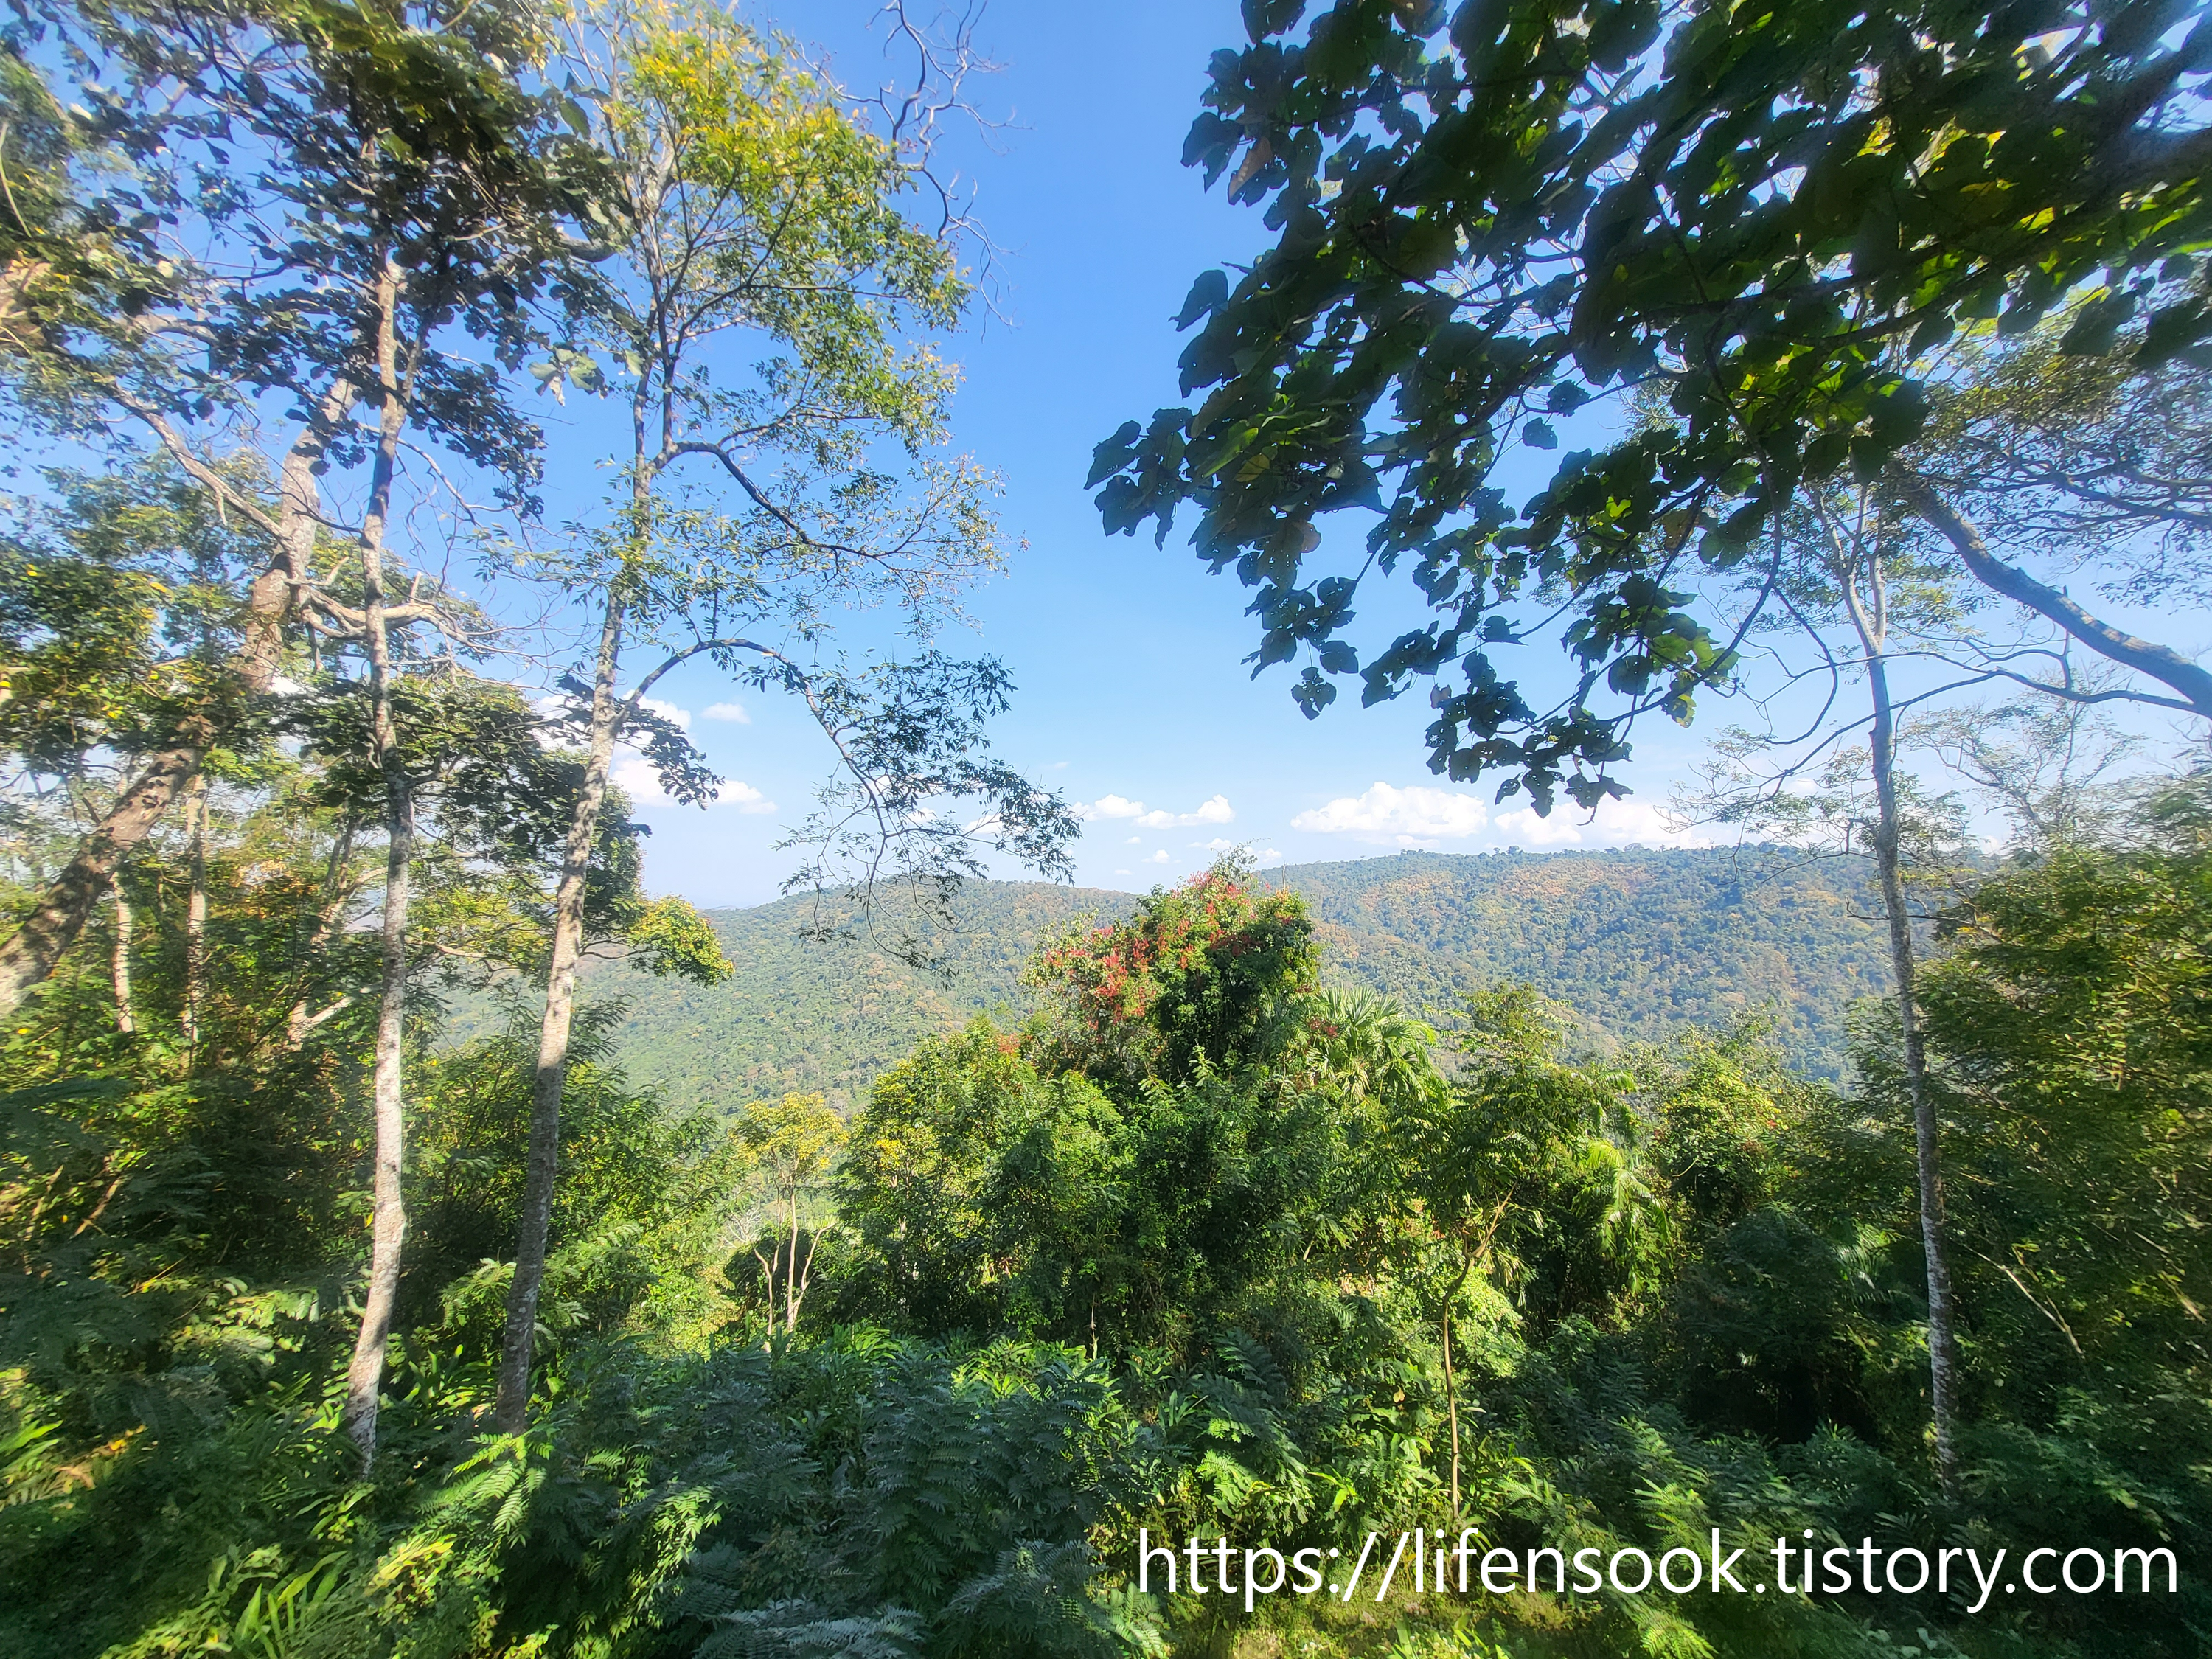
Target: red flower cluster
{"type": "Point", "coordinates": [1119, 972]}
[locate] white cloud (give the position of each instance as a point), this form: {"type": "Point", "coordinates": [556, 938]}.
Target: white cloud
{"type": "Point", "coordinates": [1266, 854]}
{"type": "Point", "coordinates": [1420, 817]}
{"type": "Point", "coordinates": [1057, 766]}
{"type": "Point", "coordinates": [1134, 841]}
{"type": "Point", "coordinates": [744, 797]}
{"type": "Point", "coordinates": [1525, 829]}
{"type": "Point", "coordinates": [635, 777]}
{"type": "Point", "coordinates": [1215, 809]}
{"type": "Point", "coordinates": [681, 718]}
{"type": "Point", "coordinates": [1413, 816]}
{"type": "Point", "coordinates": [1219, 844]}
{"type": "Point", "coordinates": [1160, 856]}
{"type": "Point", "coordinates": [733, 712]}
{"type": "Point", "coordinates": [1108, 806]}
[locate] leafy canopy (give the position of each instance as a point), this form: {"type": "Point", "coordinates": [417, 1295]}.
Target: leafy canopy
{"type": "Point", "coordinates": [1199, 976]}
{"type": "Point", "coordinates": [1747, 220]}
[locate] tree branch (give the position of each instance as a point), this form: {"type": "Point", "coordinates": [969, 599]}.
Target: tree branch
{"type": "Point", "coordinates": [2161, 663]}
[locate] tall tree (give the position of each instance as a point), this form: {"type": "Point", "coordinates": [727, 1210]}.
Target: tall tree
{"type": "Point", "coordinates": [455, 765]}
{"type": "Point", "coordinates": [411, 190]}
{"type": "Point", "coordinates": [374, 145]}
{"type": "Point", "coordinates": [758, 212]}
{"type": "Point", "coordinates": [1858, 571]}
{"type": "Point", "coordinates": [1850, 571]}
{"type": "Point", "coordinates": [2083, 457]}
{"type": "Point", "coordinates": [1866, 594]}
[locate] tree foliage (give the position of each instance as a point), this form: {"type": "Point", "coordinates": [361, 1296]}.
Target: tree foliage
{"type": "Point", "coordinates": [1203, 1248]}
{"type": "Point", "coordinates": [1068, 1283]}
{"type": "Point", "coordinates": [1755, 221]}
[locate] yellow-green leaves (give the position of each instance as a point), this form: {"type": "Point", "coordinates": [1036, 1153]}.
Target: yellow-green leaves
{"type": "Point", "coordinates": [749, 182]}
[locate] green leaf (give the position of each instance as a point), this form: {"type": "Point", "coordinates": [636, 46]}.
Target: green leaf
{"type": "Point", "coordinates": [1208, 293]}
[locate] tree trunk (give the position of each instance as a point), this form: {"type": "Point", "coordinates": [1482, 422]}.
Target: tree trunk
{"type": "Point", "coordinates": [1870, 618]}
{"type": "Point", "coordinates": [196, 815]}
{"type": "Point", "coordinates": [388, 1212]}
{"type": "Point", "coordinates": [338, 888]}
{"type": "Point", "coordinates": [1451, 1373]}
{"type": "Point", "coordinates": [806, 1277]}
{"type": "Point", "coordinates": [28, 955]}
{"type": "Point", "coordinates": [791, 1271]}
{"type": "Point", "coordinates": [388, 1222]}
{"type": "Point", "coordinates": [1927, 1145]}
{"type": "Point", "coordinates": [119, 967]}
{"type": "Point", "coordinates": [1451, 1404]}
{"type": "Point", "coordinates": [769, 1267]}
{"type": "Point", "coordinates": [510, 1410]}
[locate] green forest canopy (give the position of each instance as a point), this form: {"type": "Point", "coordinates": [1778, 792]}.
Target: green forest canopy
{"type": "Point", "coordinates": [1179, 1254]}
{"type": "Point", "coordinates": [329, 1328]}
{"type": "Point", "coordinates": [1639, 942]}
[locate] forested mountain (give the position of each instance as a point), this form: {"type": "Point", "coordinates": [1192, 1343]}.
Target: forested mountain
{"type": "Point", "coordinates": [825, 1310]}
{"type": "Point", "coordinates": [1641, 941]}
{"type": "Point", "coordinates": [1638, 941]}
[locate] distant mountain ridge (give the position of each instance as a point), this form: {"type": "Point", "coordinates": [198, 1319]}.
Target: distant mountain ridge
{"type": "Point", "coordinates": [1636, 941]}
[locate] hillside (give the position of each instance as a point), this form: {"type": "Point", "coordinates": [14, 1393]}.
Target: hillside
{"type": "Point", "coordinates": [1636, 941]}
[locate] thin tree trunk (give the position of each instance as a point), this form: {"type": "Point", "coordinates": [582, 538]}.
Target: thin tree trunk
{"type": "Point", "coordinates": [388, 1218]}
{"type": "Point", "coordinates": [806, 1278]}
{"type": "Point", "coordinates": [511, 1409]}
{"type": "Point", "coordinates": [119, 967]}
{"type": "Point", "coordinates": [1927, 1146]}
{"type": "Point", "coordinates": [337, 889]}
{"type": "Point", "coordinates": [196, 815]}
{"type": "Point", "coordinates": [1451, 1404]}
{"type": "Point", "coordinates": [769, 1267]}
{"type": "Point", "coordinates": [28, 955]}
{"type": "Point", "coordinates": [1451, 1376]}
{"type": "Point", "coordinates": [388, 1213]}
{"type": "Point", "coordinates": [791, 1270]}
{"type": "Point", "coordinates": [1872, 626]}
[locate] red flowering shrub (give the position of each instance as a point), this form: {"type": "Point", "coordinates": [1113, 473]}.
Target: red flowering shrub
{"type": "Point", "coordinates": [1201, 969]}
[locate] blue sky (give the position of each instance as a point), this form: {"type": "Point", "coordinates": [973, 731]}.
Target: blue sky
{"type": "Point", "coordinates": [1134, 697]}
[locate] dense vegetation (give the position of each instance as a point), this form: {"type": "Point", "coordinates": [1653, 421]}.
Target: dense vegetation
{"type": "Point", "coordinates": [330, 1328]}
{"type": "Point", "coordinates": [1185, 1252]}
{"type": "Point", "coordinates": [1639, 942]}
